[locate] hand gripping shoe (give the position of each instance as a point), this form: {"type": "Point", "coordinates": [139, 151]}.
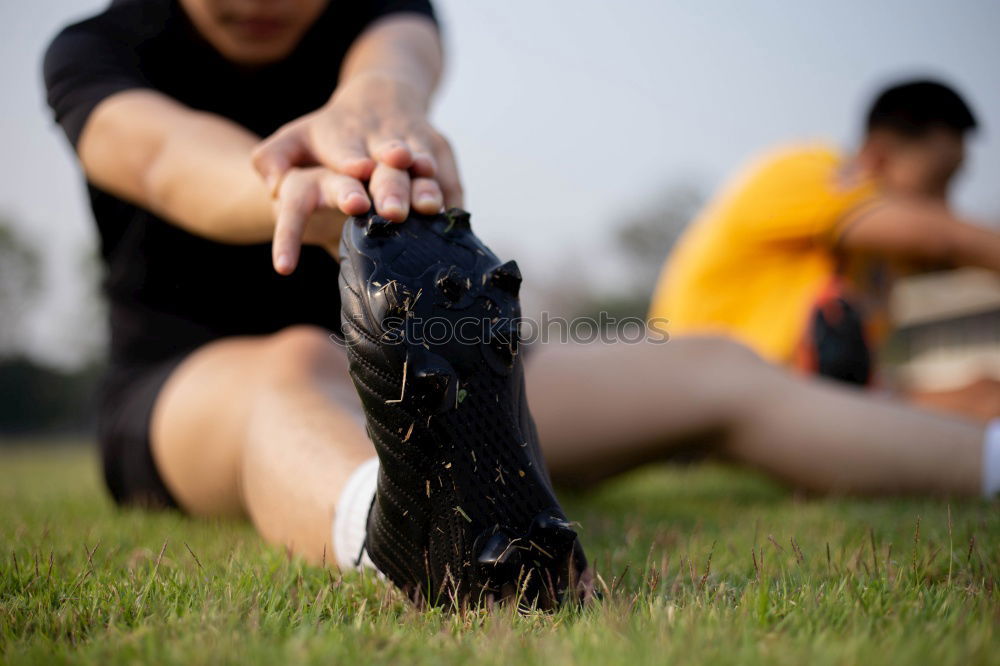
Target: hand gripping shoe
{"type": "Point", "coordinates": [464, 512]}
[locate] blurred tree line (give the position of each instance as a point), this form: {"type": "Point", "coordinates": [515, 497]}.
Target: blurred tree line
{"type": "Point", "coordinates": [35, 397]}
{"type": "Point", "coordinates": [643, 241]}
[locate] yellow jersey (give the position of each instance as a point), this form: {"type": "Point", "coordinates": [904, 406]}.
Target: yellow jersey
{"type": "Point", "coordinates": [752, 265]}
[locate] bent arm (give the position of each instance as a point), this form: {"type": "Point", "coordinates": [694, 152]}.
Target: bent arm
{"type": "Point", "coordinates": [190, 167]}
{"type": "Point", "coordinates": [922, 231]}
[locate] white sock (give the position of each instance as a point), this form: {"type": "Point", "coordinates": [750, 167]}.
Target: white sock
{"type": "Point", "coordinates": [350, 524]}
{"type": "Point", "coordinates": [991, 459]}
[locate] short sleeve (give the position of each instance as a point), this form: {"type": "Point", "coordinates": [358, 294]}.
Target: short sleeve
{"type": "Point", "coordinates": [799, 195]}
{"type": "Point", "coordinates": [386, 7]}
{"type": "Point", "coordinates": [83, 67]}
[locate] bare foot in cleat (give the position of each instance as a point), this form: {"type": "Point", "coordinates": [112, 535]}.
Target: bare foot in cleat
{"type": "Point", "coordinates": [464, 512]}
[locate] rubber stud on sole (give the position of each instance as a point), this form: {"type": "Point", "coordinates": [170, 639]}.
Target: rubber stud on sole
{"type": "Point", "coordinates": [505, 339]}
{"type": "Point", "coordinates": [507, 277]}
{"type": "Point", "coordinates": [552, 533]}
{"type": "Point", "coordinates": [459, 219]}
{"type": "Point", "coordinates": [431, 384]}
{"type": "Point", "coordinates": [378, 226]}
{"type": "Point", "coordinates": [497, 550]}
{"type": "Point", "coordinates": [452, 284]}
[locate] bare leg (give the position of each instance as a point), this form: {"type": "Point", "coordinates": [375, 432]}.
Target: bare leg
{"type": "Point", "coordinates": [267, 426]}
{"type": "Point", "coordinates": [979, 400]}
{"type": "Point", "coordinates": [601, 409]}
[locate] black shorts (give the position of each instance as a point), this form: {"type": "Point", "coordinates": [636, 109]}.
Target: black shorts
{"type": "Point", "coordinates": [125, 410]}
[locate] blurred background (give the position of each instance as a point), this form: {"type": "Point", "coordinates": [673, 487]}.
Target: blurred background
{"type": "Point", "coordinates": [588, 134]}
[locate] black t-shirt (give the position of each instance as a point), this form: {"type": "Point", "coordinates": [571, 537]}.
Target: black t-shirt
{"type": "Point", "coordinates": [171, 291]}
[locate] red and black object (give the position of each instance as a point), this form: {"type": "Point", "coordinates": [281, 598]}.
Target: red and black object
{"type": "Point", "coordinates": [836, 343]}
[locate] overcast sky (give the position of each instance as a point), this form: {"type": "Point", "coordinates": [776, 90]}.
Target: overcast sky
{"type": "Point", "coordinates": [567, 114]}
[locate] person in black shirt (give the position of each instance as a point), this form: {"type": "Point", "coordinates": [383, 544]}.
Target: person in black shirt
{"type": "Point", "coordinates": [223, 142]}
{"type": "Point", "coordinates": [221, 366]}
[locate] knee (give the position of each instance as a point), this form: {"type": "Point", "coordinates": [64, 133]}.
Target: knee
{"type": "Point", "coordinates": [305, 352]}
{"type": "Point", "coordinates": [717, 356]}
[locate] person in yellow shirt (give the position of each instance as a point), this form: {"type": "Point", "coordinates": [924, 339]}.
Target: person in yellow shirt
{"type": "Point", "coordinates": [796, 256]}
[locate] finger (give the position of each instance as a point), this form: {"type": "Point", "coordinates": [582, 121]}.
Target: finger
{"type": "Point", "coordinates": [391, 149]}
{"type": "Point", "coordinates": [343, 192]}
{"type": "Point", "coordinates": [426, 196]}
{"type": "Point", "coordinates": [447, 175]}
{"type": "Point", "coordinates": [390, 189]}
{"type": "Point", "coordinates": [277, 154]}
{"type": "Point", "coordinates": [424, 165]}
{"type": "Point", "coordinates": [345, 152]}
{"type": "Point", "coordinates": [298, 198]}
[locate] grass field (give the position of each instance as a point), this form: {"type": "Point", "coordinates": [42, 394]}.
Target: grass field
{"type": "Point", "coordinates": [698, 565]}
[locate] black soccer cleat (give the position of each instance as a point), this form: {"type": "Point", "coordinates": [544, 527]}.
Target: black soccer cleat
{"type": "Point", "coordinates": [464, 512]}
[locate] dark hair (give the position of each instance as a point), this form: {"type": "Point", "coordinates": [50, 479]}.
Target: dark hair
{"type": "Point", "coordinates": [914, 108]}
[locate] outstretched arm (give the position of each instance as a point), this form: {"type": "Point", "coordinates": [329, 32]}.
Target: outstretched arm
{"type": "Point", "coordinates": [190, 167]}
{"type": "Point", "coordinates": [922, 231]}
